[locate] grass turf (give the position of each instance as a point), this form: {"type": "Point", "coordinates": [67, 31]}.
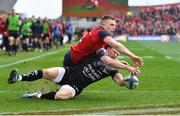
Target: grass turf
{"type": "Point", "coordinates": [159, 82]}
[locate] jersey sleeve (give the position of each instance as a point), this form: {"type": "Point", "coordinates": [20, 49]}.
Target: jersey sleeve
{"type": "Point", "coordinates": [103, 34]}
{"type": "Point", "coordinates": [101, 52]}
{"type": "Point", "coordinates": [114, 71]}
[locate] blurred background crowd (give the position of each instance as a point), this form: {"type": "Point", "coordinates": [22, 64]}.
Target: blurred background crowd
{"type": "Point", "coordinates": [33, 33]}
{"type": "Point", "coordinates": [38, 33]}
{"type": "Point", "coordinates": [151, 21]}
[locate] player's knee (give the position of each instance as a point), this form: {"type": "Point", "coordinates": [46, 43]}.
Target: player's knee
{"type": "Point", "coordinates": [65, 92]}
{"type": "Point", "coordinates": [50, 73]}
{"type": "Point", "coordinates": [46, 73]}
{"type": "Point", "coordinates": [17, 41]}
{"type": "Point", "coordinates": [11, 39]}
{"type": "Point", "coordinates": [62, 95]}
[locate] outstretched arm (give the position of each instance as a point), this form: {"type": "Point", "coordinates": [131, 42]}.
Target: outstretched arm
{"type": "Point", "coordinates": [118, 64]}
{"type": "Point", "coordinates": [118, 78]}
{"type": "Point", "coordinates": [122, 49]}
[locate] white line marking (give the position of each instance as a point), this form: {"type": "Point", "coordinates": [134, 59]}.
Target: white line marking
{"type": "Point", "coordinates": [148, 57]}
{"type": "Point", "coordinates": [138, 111]}
{"type": "Point", "coordinates": [96, 91]}
{"type": "Point", "coordinates": [137, 49]}
{"type": "Point", "coordinates": [149, 48]}
{"type": "Point", "coordinates": [145, 57]}
{"type": "Point", "coordinates": [118, 111]}
{"type": "Point", "coordinates": [168, 57]}
{"type": "Point", "coordinates": [33, 58]}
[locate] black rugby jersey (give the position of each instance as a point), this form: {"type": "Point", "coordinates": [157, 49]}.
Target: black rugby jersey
{"type": "Point", "coordinates": [90, 70]}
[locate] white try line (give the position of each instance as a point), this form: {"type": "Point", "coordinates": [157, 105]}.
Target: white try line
{"type": "Point", "coordinates": [137, 111]}
{"type": "Point", "coordinates": [121, 111]}
{"type": "Point", "coordinates": [108, 111]}
{"type": "Point", "coordinates": [33, 58]}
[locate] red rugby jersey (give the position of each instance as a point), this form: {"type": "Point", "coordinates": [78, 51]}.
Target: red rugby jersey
{"type": "Point", "coordinates": [88, 44]}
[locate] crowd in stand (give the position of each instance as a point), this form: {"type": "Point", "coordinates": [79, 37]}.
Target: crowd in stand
{"type": "Point", "coordinates": [151, 21]}
{"type": "Point", "coordinates": [32, 33]}
{"type": "Point", "coordinates": [41, 34]}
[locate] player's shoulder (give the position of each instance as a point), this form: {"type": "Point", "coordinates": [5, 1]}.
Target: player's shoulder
{"type": "Point", "coordinates": [103, 33]}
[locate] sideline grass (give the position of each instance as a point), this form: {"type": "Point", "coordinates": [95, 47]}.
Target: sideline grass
{"type": "Point", "coordinates": [159, 82]}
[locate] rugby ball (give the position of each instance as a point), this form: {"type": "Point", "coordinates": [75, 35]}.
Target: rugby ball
{"type": "Point", "coordinates": [131, 82]}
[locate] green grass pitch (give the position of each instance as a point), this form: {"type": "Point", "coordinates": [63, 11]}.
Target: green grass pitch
{"type": "Point", "coordinates": [159, 82]}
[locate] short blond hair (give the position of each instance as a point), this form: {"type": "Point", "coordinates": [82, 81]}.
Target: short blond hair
{"type": "Point", "coordinates": [107, 17]}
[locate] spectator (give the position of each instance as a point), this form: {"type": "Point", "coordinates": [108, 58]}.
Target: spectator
{"type": "Point", "coordinates": [57, 33]}
{"type": "Point", "coordinates": [69, 32]}
{"type": "Point", "coordinates": [36, 32]}
{"type": "Point", "coordinates": [13, 22]}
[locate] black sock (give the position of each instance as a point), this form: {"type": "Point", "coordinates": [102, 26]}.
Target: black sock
{"type": "Point", "coordinates": [50, 96]}
{"type": "Point", "coordinates": [33, 75]}
{"type": "Point", "coordinates": [10, 48]}
{"type": "Point", "coordinates": [14, 49]}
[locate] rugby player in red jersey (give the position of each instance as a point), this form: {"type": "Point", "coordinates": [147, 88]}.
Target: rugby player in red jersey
{"type": "Point", "coordinates": [97, 38]}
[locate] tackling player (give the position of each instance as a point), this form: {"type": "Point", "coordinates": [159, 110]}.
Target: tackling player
{"type": "Point", "coordinates": [74, 79]}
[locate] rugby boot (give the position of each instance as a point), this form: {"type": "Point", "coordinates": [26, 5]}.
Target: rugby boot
{"type": "Point", "coordinates": [13, 77]}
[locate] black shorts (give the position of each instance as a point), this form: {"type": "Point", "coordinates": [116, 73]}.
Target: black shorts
{"type": "Point", "coordinates": [14, 34]}
{"type": "Point", "coordinates": [45, 36]}
{"type": "Point", "coordinates": [25, 37]}
{"type": "Point", "coordinates": [67, 60]}
{"type": "Point", "coordinates": [36, 35]}
{"type": "Point", "coordinates": [68, 80]}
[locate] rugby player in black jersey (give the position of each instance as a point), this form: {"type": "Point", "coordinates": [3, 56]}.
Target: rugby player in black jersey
{"type": "Point", "coordinates": [73, 80]}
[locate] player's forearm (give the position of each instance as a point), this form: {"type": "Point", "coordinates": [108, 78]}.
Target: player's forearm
{"type": "Point", "coordinates": [116, 64]}
{"type": "Point", "coordinates": [118, 46]}
{"type": "Point", "coordinates": [122, 49]}
{"type": "Point", "coordinates": [121, 65]}
{"type": "Point", "coordinates": [118, 78]}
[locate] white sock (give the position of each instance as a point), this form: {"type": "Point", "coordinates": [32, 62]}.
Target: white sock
{"type": "Point", "coordinates": [19, 78]}
{"type": "Point", "coordinates": [38, 95]}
